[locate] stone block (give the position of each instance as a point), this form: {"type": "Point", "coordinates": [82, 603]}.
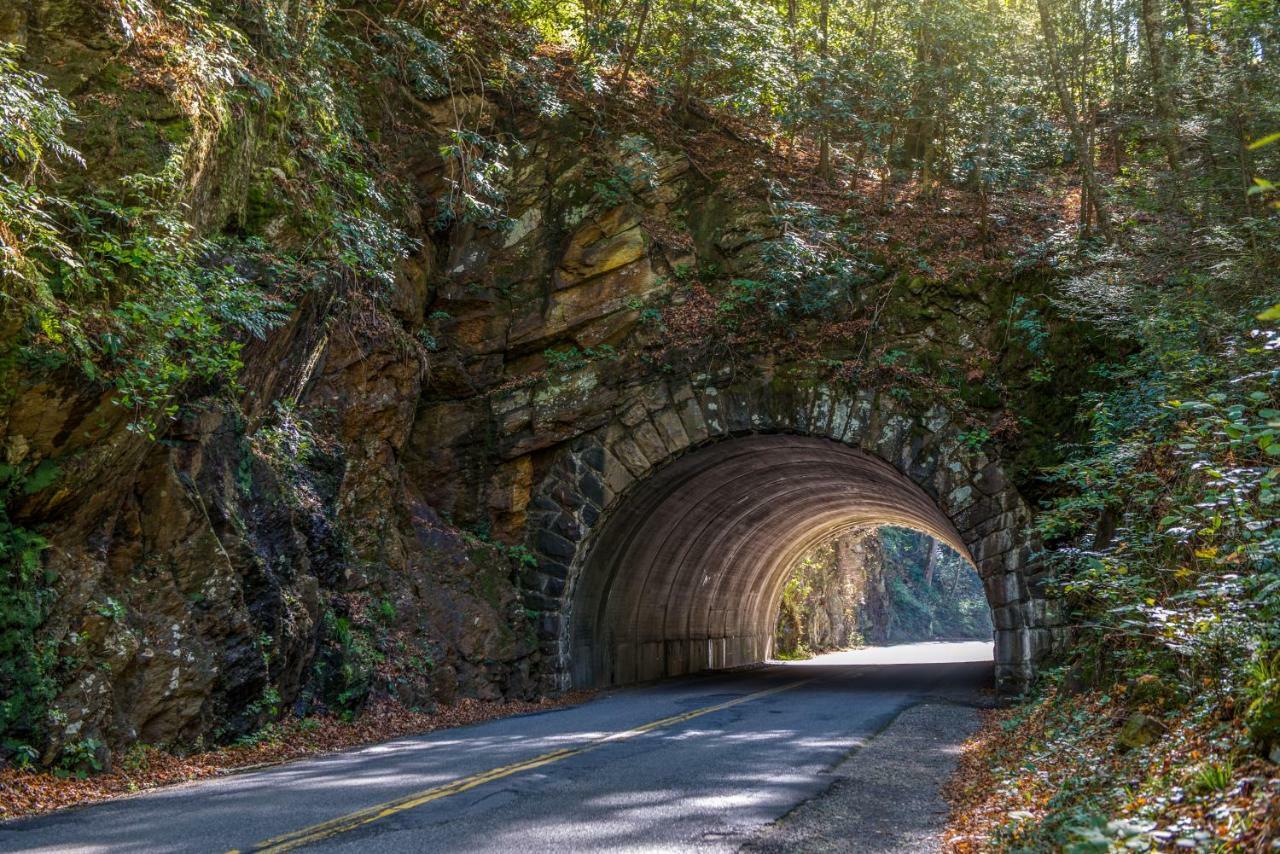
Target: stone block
{"type": "Point", "coordinates": [1003, 588]}
{"type": "Point", "coordinates": [921, 471]}
{"type": "Point", "coordinates": [553, 568]}
{"type": "Point", "coordinates": [567, 495]}
{"type": "Point", "coordinates": [633, 413]}
{"type": "Point", "coordinates": [544, 502]}
{"type": "Point", "coordinates": [555, 546]}
{"type": "Point", "coordinates": [802, 408]}
{"type": "Point", "coordinates": [935, 418]}
{"type": "Point", "coordinates": [712, 415]}
{"type": "Point", "coordinates": [646, 437]}
{"type": "Point", "coordinates": [592, 487]}
{"type": "Point", "coordinates": [549, 624]}
{"type": "Point", "coordinates": [681, 392]}
{"type": "Point", "coordinates": [1015, 585]}
{"type": "Point", "coordinates": [959, 499]}
{"type": "Point", "coordinates": [860, 418]}
{"type": "Point", "coordinates": [626, 452]}
{"type": "Point", "coordinates": [539, 601]}
{"type": "Point", "coordinates": [987, 526]}
{"type": "Point", "coordinates": [695, 427]}
{"type": "Point", "coordinates": [553, 587]}
{"type": "Point", "coordinates": [1012, 646]}
{"type": "Point", "coordinates": [1039, 644]}
{"type": "Point", "coordinates": [892, 437]}
{"type": "Point", "coordinates": [592, 455]}
{"type": "Point", "coordinates": [969, 515]}
{"type": "Point", "coordinates": [1008, 617]}
{"type": "Point", "coordinates": [671, 429]}
{"type": "Point", "coordinates": [616, 476]}
{"type": "Point", "coordinates": [823, 411]}
{"type": "Point", "coordinates": [990, 480]}
{"type": "Point", "coordinates": [996, 543]}
{"type": "Point", "coordinates": [1012, 680]}
{"type": "Point", "coordinates": [737, 411]}
{"type": "Point", "coordinates": [655, 397]}
{"type": "Point", "coordinates": [568, 527]}
{"type": "Point", "coordinates": [841, 410]}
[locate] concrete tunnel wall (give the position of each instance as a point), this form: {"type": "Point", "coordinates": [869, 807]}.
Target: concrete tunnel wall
{"type": "Point", "coordinates": [690, 575]}
{"type": "Point", "coordinates": [664, 536]}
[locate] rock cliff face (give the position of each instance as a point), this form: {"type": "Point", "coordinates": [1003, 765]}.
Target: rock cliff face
{"type": "Point", "coordinates": [354, 516]}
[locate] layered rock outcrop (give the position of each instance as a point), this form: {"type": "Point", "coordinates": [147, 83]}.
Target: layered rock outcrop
{"type": "Point", "coordinates": [374, 507]}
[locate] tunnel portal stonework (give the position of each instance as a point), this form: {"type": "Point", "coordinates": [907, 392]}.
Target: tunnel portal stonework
{"type": "Point", "coordinates": [664, 536]}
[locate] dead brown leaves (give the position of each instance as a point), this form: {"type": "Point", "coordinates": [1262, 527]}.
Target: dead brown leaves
{"type": "Point", "coordinates": [976, 806]}
{"type": "Point", "coordinates": [31, 792]}
{"type": "Point", "coordinates": [1011, 776]}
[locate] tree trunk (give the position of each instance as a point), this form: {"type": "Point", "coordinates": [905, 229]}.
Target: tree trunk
{"type": "Point", "coordinates": [633, 46]}
{"type": "Point", "coordinates": [824, 137]}
{"type": "Point", "coordinates": [1195, 26]}
{"type": "Point", "coordinates": [931, 562]}
{"type": "Point", "coordinates": [793, 21]}
{"type": "Point", "coordinates": [1088, 180]}
{"type": "Point", "coordinates": [1166, 114]}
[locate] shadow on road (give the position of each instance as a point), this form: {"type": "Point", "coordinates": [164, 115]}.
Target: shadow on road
{"type": "Point", "coordinates": [705, 783]}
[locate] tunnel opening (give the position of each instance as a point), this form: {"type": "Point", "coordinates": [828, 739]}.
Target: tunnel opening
{"type": "Point", "coordinates": [687, 572]}
{"type": "Point", "coordinates": [880, 587]}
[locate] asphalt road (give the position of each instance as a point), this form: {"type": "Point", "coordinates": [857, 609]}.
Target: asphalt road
{"type": "Point", "coordinates": [699, 763]}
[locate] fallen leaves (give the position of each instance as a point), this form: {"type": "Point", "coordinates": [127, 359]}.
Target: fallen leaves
{"type": "Point", "coordinates": [1052, 775]}
{"type": "Point", "coordinates": [33, 792]}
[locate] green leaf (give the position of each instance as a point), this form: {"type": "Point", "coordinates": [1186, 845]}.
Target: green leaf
{"type": "Point", "coordinates": [1264, 141]}
{"type": "Point", "coordinates": [44, 474]}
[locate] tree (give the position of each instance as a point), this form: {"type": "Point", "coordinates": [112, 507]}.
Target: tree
{"type": "Point", "coordinates": [1092, 194]}
{"type": "Point", "coordinates": [1166, 114]}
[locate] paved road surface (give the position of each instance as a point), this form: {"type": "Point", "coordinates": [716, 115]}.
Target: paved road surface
{"type": "Point", "coordinates": [691, 764]}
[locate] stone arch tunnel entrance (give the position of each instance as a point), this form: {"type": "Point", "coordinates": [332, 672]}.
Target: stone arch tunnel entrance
{"type": "Point", "coordinates": [689, 576]}
{"type": "Point", "coordinates": [665, 537]}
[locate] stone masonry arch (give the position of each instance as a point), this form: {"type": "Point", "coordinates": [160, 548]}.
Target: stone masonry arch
{"type": "Point", "coordinates": [733, 479]}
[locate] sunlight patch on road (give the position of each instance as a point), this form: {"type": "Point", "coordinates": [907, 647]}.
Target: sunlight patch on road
{"type": "Point", "coordinates": [344, 824]}
{"type": "Point", "coordinates": [932, 652]}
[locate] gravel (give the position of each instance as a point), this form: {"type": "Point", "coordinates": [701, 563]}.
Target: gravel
{"type": "Point", "coordinates": [887, 796]}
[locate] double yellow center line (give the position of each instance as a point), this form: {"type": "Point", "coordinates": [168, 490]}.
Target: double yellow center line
{"type": "Point", "coordinates": [351, 821]}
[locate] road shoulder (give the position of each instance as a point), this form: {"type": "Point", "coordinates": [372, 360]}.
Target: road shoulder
{"type": "Point", "coordinates": [887, 795]}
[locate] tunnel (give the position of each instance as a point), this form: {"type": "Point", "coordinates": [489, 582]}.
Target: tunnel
{"type": "Point", "coordinates": [686, 572]}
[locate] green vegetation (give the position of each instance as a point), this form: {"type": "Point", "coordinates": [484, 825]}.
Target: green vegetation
{"type": "Point", "coordinates": [893, 586]}
{"type": "Point", "coordinates": [225, 168]}
{"type": "Point", "coordinates": [26, 661]}
{"type": "Point", "coordinates": [932, 591]}
{"type": "Point", "coordinates": [113, 281]}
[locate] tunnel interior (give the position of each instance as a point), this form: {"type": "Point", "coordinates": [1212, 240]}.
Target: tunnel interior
{"type": "Point", "coordinates": [686, 574]}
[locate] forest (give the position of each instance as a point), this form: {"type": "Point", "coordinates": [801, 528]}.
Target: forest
{"type": "Point", "coordinates": [185, 184]}
{"type": "Point", "coordinates": [880, 587]}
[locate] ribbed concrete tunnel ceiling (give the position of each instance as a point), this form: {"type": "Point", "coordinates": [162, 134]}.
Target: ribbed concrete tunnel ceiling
{"type": "Point", "coordinates": [687, 573]}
